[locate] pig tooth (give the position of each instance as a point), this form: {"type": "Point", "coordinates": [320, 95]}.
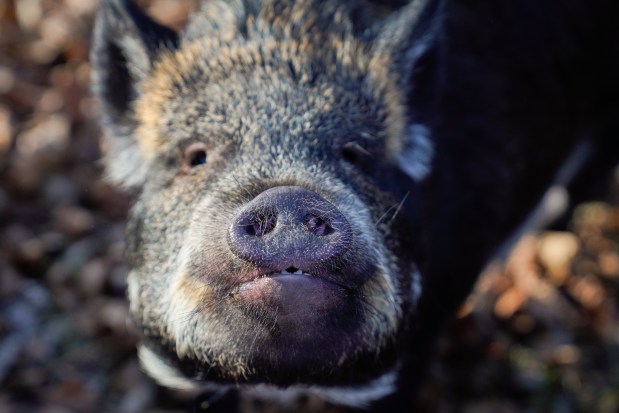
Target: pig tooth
{"type": "Point", "coordinates": [286, 272]}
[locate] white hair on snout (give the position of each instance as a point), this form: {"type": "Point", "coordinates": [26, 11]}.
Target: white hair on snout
{"type": "Point", "coordinates": [181, 307]}
{"type": "Point", "coordinates": [163, 373]}
{"type": "Point", "coordinates": [188, 301]}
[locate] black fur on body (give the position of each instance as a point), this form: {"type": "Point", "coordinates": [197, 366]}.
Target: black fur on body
{"type": "Point", "coordinates": [434, 131]}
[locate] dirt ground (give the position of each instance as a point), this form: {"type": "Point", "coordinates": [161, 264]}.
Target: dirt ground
{"type": "Point", "coordinates": [540, 333]}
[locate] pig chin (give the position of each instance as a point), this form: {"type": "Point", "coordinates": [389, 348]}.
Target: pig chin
{"type": "Point", "coordinates": [292, 317]}
{"type": "Point", "coordinates": [298, 328]}
{"type": "Point", "coordinates": [281, 330]}
{"type": "Point", "coordinates": [289, 297]}
{"type": "Point", "coordinates": [285, 327]}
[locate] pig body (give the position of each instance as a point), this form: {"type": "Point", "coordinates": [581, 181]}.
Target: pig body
{"type": "Point", "coordinates": [320, 182]}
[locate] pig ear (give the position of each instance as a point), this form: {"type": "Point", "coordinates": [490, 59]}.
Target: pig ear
{"type": "Point", "coordinates": [126, 43]}
{"type": "Point", "coordinates": [411, 37]}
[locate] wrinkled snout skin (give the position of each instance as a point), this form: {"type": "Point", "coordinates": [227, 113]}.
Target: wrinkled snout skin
{"type": "Point", "coordinates": [319, 183]}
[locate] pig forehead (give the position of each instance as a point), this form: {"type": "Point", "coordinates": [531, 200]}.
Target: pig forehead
{"type": "Point", "coordinates": [264, 106]}
{"type": "Point", "coordinates": [254, 91]}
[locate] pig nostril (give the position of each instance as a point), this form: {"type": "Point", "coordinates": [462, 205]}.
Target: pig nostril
{"type": "Point", "coordinates": [317, 225]}
{"type": "Point", "coordinates": [289, 230]}
{"type": "Point", "coordinates": [261, 224]}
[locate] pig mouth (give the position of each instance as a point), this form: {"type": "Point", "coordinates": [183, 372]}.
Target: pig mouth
{"type": "Point", "coordinates": [292, 273]}
{"type": "Point", "coordinates": [291, 293]}
{"type": "Point", "coordinates": [297, 272]}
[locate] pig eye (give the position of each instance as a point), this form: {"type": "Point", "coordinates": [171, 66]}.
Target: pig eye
{"type": "Point", "coordinates": [354, 153]}
{"type": "Point", "coordinates": [195, 155]}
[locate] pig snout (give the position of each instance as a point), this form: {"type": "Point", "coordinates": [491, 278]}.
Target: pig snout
{"type": "Point", "coordinates": [289, 228]}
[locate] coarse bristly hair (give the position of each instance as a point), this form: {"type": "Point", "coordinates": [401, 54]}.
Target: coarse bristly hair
{"type": "Point", "coordinates": [274, 90]}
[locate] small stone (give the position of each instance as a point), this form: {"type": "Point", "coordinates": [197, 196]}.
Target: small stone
{"type": "Point", "coordinates": [6, 126]}
{"type": "Point", "coordinates": [509, 302]}
{"type": "Point", "coordinates": [59, 189]}
{"type": "Point", "coordinates": [29, 14]}
{"type": "Point", "coordinates": [7, 80]}
{"type": "Point", "coordinates": [93, 276]}
{"type": "Point", "coordinates": [47, 133]}
{"type": "Point", "coordinates": [53, 242]}
{"type": "Point", "coordinates": [57, 274]}
{"type": "Point", "coordinates": [51, 101]}
{"type": "Point", "coordinates": [82, 7]}
{"type": "Point", "coordinates": [32, 250]}
{"type": "Point", "coordinates": [73, 221]}
{"type": "Point", "coordinates": [609, 264]}
{"type": "Point", "coordinates": [114, 315]}
{"type": "Point", "coordinates": [556, 253]}
{"type": "Point", "coordinates": [566, 354]}
{"type": "Point", "coordinates": [523, 323]}
{"type": "Point", "coordinates": [10, 281]}
{"type": "Point", "coordinates": [588, 291]}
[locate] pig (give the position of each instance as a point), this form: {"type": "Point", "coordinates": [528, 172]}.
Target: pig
{"type": "Point", "coordinates": [319, 183]}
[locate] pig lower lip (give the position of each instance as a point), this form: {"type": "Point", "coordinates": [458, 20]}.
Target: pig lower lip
{"type": "Point", "coordinates": [291, 295]}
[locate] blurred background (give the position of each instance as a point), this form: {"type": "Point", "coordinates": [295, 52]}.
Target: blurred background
{"type": "Point", "coordinates": [540, 333]}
